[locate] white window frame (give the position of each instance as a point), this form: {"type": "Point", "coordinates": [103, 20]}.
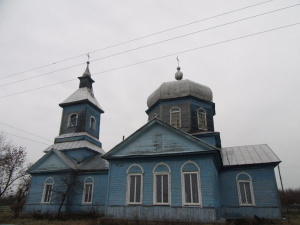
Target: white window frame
{"type": "Point", "coordinates": [69, 120]}
{"type": "Point", "coordinates": [203, 112]}
{"type": "Point", "coordinates": [92, 124]}
{"type": "Point", "coordinates": [184, 203]}
{"type": "Point", "coordinates": [249, 181]}
{"type": "Point", "coordinates": [85, 190]}
{"type": "Point", "coordinates": [129, 175]}
{"type": "Point", "coordinates": [172, 111]}
{"type": "Point", "coordinates": [155, 187]}
{"type": "Point", "coordinates": [45, 191]}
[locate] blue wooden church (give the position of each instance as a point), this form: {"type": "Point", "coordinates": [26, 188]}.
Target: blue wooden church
{"type": "Point", "coordinates": [172, 168]}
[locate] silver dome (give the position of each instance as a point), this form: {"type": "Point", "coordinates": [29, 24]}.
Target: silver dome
{"type": "Point", "coordinates": [180, 88]}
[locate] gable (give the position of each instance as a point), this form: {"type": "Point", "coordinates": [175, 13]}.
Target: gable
{"type": "Point", "coordinates": [157, 138]}
{"type": "Point", "coordinates": [52, 161]}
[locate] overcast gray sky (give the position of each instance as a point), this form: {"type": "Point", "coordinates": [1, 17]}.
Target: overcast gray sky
{"type": "Point", "coordinates": [255, 80]}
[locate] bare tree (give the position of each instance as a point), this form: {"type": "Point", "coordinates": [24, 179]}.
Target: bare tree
{"type": "Point", "coordinates": [67, 186]}
{"type": "Point", "coordinates": [20, 195]}
{"type": "Point", "coordinates": [12, 166]}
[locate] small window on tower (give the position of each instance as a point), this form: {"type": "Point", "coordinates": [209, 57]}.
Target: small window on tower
{"type": "Point", "coordinates": [73, 120]}
{"type": "Point", "coordinates": [93, 123]}
{"type": "Point", "coordinates": [175, 117]}
{"type": "Point", "coordinates": [202, 123]}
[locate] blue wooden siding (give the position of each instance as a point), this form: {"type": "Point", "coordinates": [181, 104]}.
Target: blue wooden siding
{"type": "Point", "coordinates": [267, 203]}
{"type": "Point", "coordinates": [79, 154]}
{"type": "Point", "coordinates": [52, 162]}
{"type": "Point", "coordinates": [118, 179]}
{"type": "Point", "coordinates": [84, 112]}
{"type": "Point", "coordinates": [91, 111]}
{"type": "Point", "coordinates": [159, 139]}
{"type": "Point", "coordinates": [74, 202]}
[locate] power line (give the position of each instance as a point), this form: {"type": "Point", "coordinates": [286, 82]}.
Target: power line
{"type": "Point", "coordinates": [165, 56]}
{"type": "Point", "coordinates": [24, 138]}
{"type": "Point", "coordinates": [152, 44]}
{"type": "Point", "coordinates": [24, 131]}
{"type": "Point", "coordinates": [139, 38]}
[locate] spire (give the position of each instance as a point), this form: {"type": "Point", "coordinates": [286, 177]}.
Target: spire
{"type": "Point", "coordinates": [87, 70]}
{"type": "Point", "coordinates": [86, 78]}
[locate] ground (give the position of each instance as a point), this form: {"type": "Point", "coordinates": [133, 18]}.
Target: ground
{"type": "Point", "coordinates": [8, 218]}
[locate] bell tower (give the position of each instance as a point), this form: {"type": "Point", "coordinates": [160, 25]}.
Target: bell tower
{"type": "Point", "coordinates": [81, 111]}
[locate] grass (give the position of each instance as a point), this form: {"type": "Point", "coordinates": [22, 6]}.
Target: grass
{"type": "Point", "coordinates": [8, 218]}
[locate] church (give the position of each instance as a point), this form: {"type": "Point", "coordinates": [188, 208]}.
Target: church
{"type": "Point", "coordinates": [173, 168]}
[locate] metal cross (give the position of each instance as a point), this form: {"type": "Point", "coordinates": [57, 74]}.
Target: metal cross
{"type": "Point", "coordinates": [177, 60]}
{"type": "Point", "coordinates": [88, 55]}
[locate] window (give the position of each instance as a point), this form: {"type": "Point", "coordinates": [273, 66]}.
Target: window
{"type": "Point", "coordinates": [175, 117]}
{"type": "Point", "coordinates": [190, 178]}
{"type": "Point", "coordinates": [73, 118]}
{"type": "Point", "coordinates": [202, 123]}
{"type": "Point", "coordinates": [47, 193]}
{"type": "Point", "coordinates": [88, 189]}
{"type": "Point", "coordinates": [245, 189]}
{"type": "Point", "coordinates": [134, 184]}
{"type": "Point", "coordinates": [162, 184]}
{"type": "Point", "coordinates": [92, 123]}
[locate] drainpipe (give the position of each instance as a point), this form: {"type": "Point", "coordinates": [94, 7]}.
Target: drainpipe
{"type": "Point", "coordinates": [284, 199]}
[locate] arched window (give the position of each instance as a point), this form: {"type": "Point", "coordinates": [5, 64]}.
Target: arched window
{"type": "Point", "coordinates": [73, 118]}
{"type": "Point", "coordinates": [245, 189]}
{"type": "Point", "coordinates": [47, 192]}
{"type": "Point", "coordinates": [88, 189]}
{"type": "Point", "coordinates": [162, 184]}
{"type": "Point", "coordinates": [134, 194]}
{"type": "Point", "coordinates": [202, 122]}
{"type": "Point", "coordinates": [92, 123]}
{"type": "Point", "coordinates": [175, 117]}
{"type": "Point", "coordinates": [190, 179]}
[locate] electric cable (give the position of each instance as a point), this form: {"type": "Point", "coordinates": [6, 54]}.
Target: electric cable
{"type": "Point", "coordinates": [24, 131]}
{"type": "Point", "coordinates": [165, 56]}
{"type": "Point", "coordinates": [144, 46]}
{"type": "Point", "coordinates": [139, 38]}
{"type": "Point", "coordinates": [23, 138]}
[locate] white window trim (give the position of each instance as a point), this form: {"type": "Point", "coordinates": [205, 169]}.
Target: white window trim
{"type": "Point", "coordinates": [184, 203]}
{"type": "Point", "coordinates": [169, 184]}
{"type": "Point", "coordinates": [84, 191]}
{"type": "Point", "coordinates": [44, 190]}
{"type": "Point", "coordinates": [202, 109]}
{"type": "Point", "coordinates": [93, 127]}
{"type": "Point", "coordinates": [128, 185]}
{"type": "Point", "coordinates": [179, 110]}
{"type": "Point", "coordinates": [69, 120]}
{"type": "Point", "coordinates": [239, 191]}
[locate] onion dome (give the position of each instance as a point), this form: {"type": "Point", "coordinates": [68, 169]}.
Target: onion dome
{"type": "Point", "coordinates": [178, 89]}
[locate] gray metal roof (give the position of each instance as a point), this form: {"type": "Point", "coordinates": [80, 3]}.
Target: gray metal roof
{"type": "Point", "coordinates": [87, 71]}
{"type": "Point", "coordinates": [247, 155]}
{"type": "Point", "coordinates": [76, 135]}
{"type": "Point", "coordinates": [80, 95]}
{"type": "Point", "coordinates": [180, 88]}
{"type": "Point", "coordinates": [66, 159]}
{"type": "Point", "coordinates": [95, 163]}
{"type": "Point", "coordinates": [75, 145]}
